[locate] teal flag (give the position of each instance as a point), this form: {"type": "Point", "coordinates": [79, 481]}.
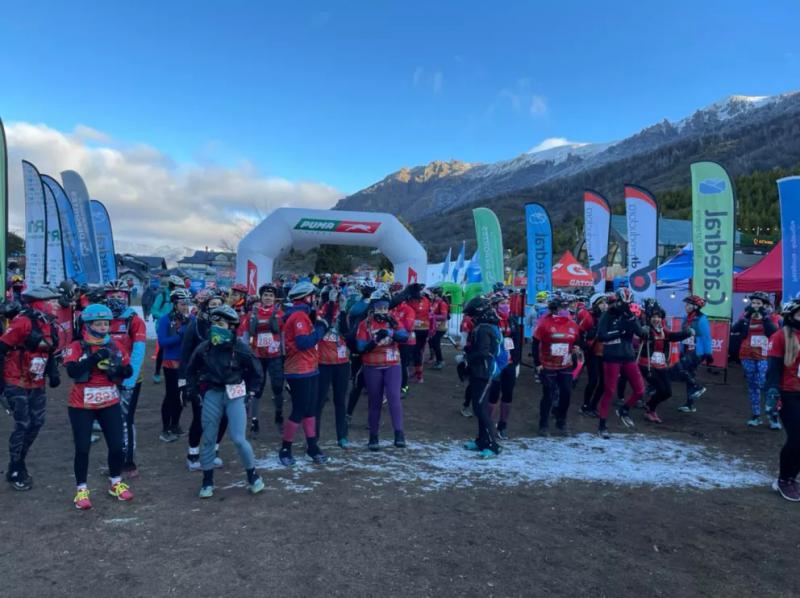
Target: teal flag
{"type": "Point", "coordinates": [490, 246]}
{"type": "Point", "coordinates": [713, 224]}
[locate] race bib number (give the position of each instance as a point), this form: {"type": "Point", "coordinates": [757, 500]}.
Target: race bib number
{"type": "Point", "coordinates": [38, 365]}
{"type": "Point", "coordinates": [391, 355]}
{"type": "Point", "coordinates": [760, 342]}
{"type": "Point", "coordinates": [341, 352]}
{"type": "Point", "coordinates": [331, 337]}
{"type": "Point", "coordinates": [100, 395]}
{"type": "Point", "coordinates": [658, 358]}
{"type": "Point", "coordinates": [236, 391]}
{"type": "Point", "coordinates": [689, 342]}
{"type": "Point", "coordinates": [559, 349]}
{"type": "Point", "coordinates": [264, 339]}
{"type": "Point", "coordinates": [508, 344]}
{"type": "Point", "coordinates": [181, 382]}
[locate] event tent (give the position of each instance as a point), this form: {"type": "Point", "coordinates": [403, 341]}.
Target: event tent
{"type": "Point", "coordinates": [765, 275]}
{"type": "Point", "coordinates": [567, 272]}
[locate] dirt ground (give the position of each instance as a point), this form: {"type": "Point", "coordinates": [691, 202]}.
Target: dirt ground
{"type": "Point", "coordinates": [351, 533]}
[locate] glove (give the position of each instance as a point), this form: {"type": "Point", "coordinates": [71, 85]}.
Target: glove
{"type": "Point", "coordinates": [645, 330]}
{"type": "Point", "coordinates": [773, 403]}
{"type": "Point", "coordinates": [381, 334]}
{"type": "Point", "coordinates": [100, 355]}
{"type": "Point", "coordinates": [55, 380]}
{"type": "Point", "coordinates": [6, 403]}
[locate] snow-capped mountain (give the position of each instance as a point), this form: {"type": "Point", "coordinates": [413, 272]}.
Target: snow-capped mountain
{"type": "Point", "coordinates": [439, 187]}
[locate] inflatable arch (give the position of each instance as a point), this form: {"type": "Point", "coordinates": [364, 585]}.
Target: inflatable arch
{"type": "Point", "coordinates": [303, 229]}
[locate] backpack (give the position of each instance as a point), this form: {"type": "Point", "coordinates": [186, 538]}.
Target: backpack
{"type": "Point", "coordinates": [502, 357]}
{"type": "Point", "coordinates": [36, 337]}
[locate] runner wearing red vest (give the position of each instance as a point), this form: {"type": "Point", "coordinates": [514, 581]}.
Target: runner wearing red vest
{"type": "Point", "coordinates": [405, 316]}
{"type": "Point", "coordinates": [334, 363]}
{"type": "Point", "coordinates": [440, 314]}
{"type": "Point", "coordinates": [422, 313]}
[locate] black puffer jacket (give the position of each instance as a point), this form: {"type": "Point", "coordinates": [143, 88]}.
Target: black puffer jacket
{"type": "Point", "coordinates": [616, 330]}
{"type": "Point", "coordinates": [482, 349]}
{"type": "Point", "coordinates": [214, 366]}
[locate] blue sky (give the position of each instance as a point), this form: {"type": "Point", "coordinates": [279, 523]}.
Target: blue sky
{"type": "Point", "coordinates": [343, 93]}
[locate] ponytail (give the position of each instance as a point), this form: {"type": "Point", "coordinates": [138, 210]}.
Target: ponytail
{"type": "Point", "coordinates": [792, 346]}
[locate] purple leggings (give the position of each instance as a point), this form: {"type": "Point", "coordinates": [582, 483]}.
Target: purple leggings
{"type": "Point", "coordinates": [380, 381]}
{"type": "Point", "coordinates": [611, 371]}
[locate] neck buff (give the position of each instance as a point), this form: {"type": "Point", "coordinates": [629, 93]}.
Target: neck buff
{"type": "Point", "coordinates": [93, 338]}
{"type": "Point", "coordinates": [220, 336]}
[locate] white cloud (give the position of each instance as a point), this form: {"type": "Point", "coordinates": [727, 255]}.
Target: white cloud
{"type": "Point", "coordinates": [521, 99]}
{"type": "Point", "coordinates": [433, 80]}
{"type": "Point", "coordinates": [552, 142]}
{"type": "Point", "coordinates": [538, 106]}
{"type": "Point", "coordinates": [152, 199]}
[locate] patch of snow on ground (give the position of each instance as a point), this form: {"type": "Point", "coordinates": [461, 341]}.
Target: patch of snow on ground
{"type": "Point", "coordinates": [625, 460]}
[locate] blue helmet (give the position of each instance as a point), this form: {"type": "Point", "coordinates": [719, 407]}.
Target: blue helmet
{"type": "Point", "coordinates": [95, 312]}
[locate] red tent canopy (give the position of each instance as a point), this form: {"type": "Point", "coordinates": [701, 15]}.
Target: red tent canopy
{"type": "Point", "coordinates": [765, 276]}
{"type": "Point", "coordinates": [569, 273]}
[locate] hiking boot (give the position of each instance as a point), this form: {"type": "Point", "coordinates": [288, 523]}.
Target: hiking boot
{"type": "Point", "coordinates": [788, 489]}
{"type": "Point", "coordinates": [374, 444]}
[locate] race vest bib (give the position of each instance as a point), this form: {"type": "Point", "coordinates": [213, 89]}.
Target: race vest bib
{"type": "Point", "coordinates": [658, 358]}
{"type": "Point", "coordinates": [760, 342]}
{"type": "Point", "coordinates": [391, 355]}
{"type": "Point", "coordinates": [37, 367]}
{"type": "Point", "coordinates": [264, 339]}
{"type": "Point", "coordinates": [236, 391]}
{"type": "Point", "coordinates": [100, 395]}
{"type": "Point", "coordinates": [341, 352]}
{"type": "Point", "coordinates": [508, 344]}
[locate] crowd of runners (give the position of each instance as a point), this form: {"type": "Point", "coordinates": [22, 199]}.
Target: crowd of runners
{"type": "Point", "coordinates": [221, 350]}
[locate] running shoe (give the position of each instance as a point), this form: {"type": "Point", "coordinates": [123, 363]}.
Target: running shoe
{"type": "Point", "coordinates": [652, 416]}
{"type": "Point", "coordinates": [587, 411]}
{"type": "Point", "coordinates": [466, 411]}
{"type": "Point", "coordinates": [193, 465]}
{"type": "Point", "coordinates": [19, 480]}
{"type": "Point", "coordinates": [755, 421]}
{"type": "Point", "coordinates": [561, 427]}
{"type": "Point", "coordinates": [697, 393]}
{"type": "Point", "coordinates": [120, 491]}
{"type": "Point", "coordinates": [374, 444]}
{"type": "Point", "coordinates": [502, 434]}
{"type": "Point", "coordinates": [178, 431]}
{"type": "Point", "coordinates": [687, 409]}
{"type": "Point", "coordinates": [437, 366]}
{"type": "Point", "coordinates": [625, 418]}
{"type": "Point", "coordinates": [788, 489]}
{"type": "Point", "coordinates": [471, 445]}
{"type": "Point", "coordinates": [604, 433]}
{"type": "Point", "coordinates": [399, 440]}
{"type": "Point", "coordinates": [96, 426]}
{"type": "Point", "coordinates": [206, 492]}
{"type": "Point", "coordinates": [217, 462]}
{"type": "Point", "coordinates": [156, 379]}
{"type": "Point", "coordinates": [488, 453]}
{"type": "Point", "coordinates": [404, 390]}
{"type": "Point", "coordinates": [285, 457]}
{"type": "Point", "coordinates": [81, 499]}
{"type": "Point", "coordinates": [343, 443]}
{"type": "Point", "coordinates": [257, 486]}
{"type": "Point", "coordinates": [167, 436]}
{"type": "Point", "coordinates": [254, 427]}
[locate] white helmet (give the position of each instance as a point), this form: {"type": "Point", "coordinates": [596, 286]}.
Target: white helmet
{"type": "Point", "coordinates": [597, 297]}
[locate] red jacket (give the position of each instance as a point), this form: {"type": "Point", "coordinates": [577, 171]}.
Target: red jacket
{"type": "Point", "coordinates": [100, 391]}
{"type": "Point", "coordinates": [556, 335]}
{"type": "Point", "coordinates": [332, 348]}
{"type": "Point", "coordinates": [440, 310]}
{"type": "Point", "coordinates": [405, 314]}
{"type": "Point", "coordinates": [422, 313]}
{"type": "Point", "coordinates": [260, 325]}
{"type": "Point", "coordinates": [299, 362]}
{"type": "Point", "coordinates": [383, 355]}
{"type": "Point", "coordinates": [23, 367]}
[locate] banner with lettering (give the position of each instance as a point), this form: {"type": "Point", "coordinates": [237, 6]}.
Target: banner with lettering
{"type": "Point", "coordinates": [73, 264]}
{"type": "Point", "coordinates": [540, 250]}
{"type": "Point", "coordinates": [35, 227]}
{"type": "Point", "coordinates": [641, 212]}
{"type": "Point", "coordinates": [55, 249]}
{"type": "Point", "coordinates": [596, 230]}
{"type": "Point", "coordinates": [104, 236]}
{"type": "Point", "coordinates": [78, 197]}
{"type": "Point", "coordinates": [490, 246]}
{"type": "Point", "coordinates": [713, 224]}
{"type": "Point", "coordinates": [789, 192]}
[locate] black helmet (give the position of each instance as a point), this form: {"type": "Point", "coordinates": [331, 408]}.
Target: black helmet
{"type": "Point", "coordinates": [268, 288]}
{"type": "Point", "coordinates": [226, 313]}
{"type": "Point", "coordinates": [789, 308]}
{"type": "Point", "coordinates": [40, 293]}
{"type": "Point", "coordinates": [68, 292]}
{"type": "Point", "coordinates": [10, 308]}
{"type": "Point", "coordinates": [557, 302]}
{"type": "Point", "coordinates": [761, 296]}
{"type": "Point", "coordinates": [367, 288]}
{"type": "Point", "coordinates": [480, 309]}
{"type": "Point", "coordinates": [96, 294]}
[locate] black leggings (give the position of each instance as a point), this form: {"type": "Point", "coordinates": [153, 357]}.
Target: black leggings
{"type": "Point", "coordinates": [479, 396]}
{"type": "Point", "coordinates": [555, 383]}
{"type": "Point", "coordinates": [790, 453]}
{"type": "Point", "coordinates": [658, 379]}
{"type": "Point", "coordinates": [406, 359]}
{"type": "Point", "coordinates": [128, 410]}
{"type": "Point", "coordinates": [196, 428]}
{"type": "Point", "coordinates": [357, 381]}
{"type": "Point", "coordinates": [419, 348]}
{"type": "Point", "coordinates": [110, 419]}
{"type": "Point", "coordinates": [436, 345]}
{"type": "Point", "coordinates": [172, 405]}
{"type": "Point", "coordinates": [504, 385]}
{"type": "Point", "coordinates": [304, 393]}
{"type": "Point", "coordinates": [594, 384]}
{"type": "Point", "coordinates": [336, 376]}
{"type": "Point", "coordinates": [159, 360]}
